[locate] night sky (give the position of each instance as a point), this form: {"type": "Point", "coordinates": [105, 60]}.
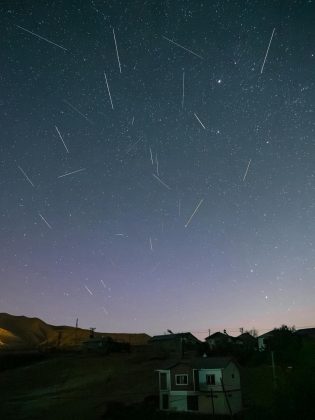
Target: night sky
{"type": "Point", "coordinates": [189, 127]}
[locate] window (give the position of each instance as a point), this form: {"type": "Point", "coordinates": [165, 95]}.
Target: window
{"type": "Point", "coordinates": [163, 381]}
{"type": "Point", "coordinates": [210, 379]}
{"type": "Point", "coordinates": [181, 379]}
{"type": "Point", "coordinates": [232, 375]}
{"type": "Point", "coordinates": [192, 402]}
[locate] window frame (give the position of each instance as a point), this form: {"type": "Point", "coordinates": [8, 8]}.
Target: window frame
{"type": "Point", "coordinates": [210, 376]}
{"type": "Point", "coordinates": [181, 375]}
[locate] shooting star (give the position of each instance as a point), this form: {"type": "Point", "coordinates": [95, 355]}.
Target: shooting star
{"type": "Point", "coordinates": [104, 285]}
{"type": "Point", "coordinates": [88, 290]}
{"type": "Point", "coordinates": [157, 165]}
{"type": "Point", "coordinates": [43, 218]}
{"type": "Point", "coordinates": [195, 211]}
{"type": "Point", "coordinates": [151, 156]}
{"type": "Point", "coordinates": [110, 96]}
{"type": "Point", "coordinates": [246, 170]}
{"type": "Point", "coordinates": [41, 37]}
{"type": "Point", "coordinates": [133, 120]}
{"type": "Point", "coordinates": [163, 183]}
{"type": "Point", "coordinates": [117, 51]}
{"type": "Point", "coordinates": [179, 207]}
{"type": "Point", "coordinates": [183, 87]}
{"type": "Point", "coordinates": [77, 111]}
{"type": "Point", "coordinates": [70, 173]}
{"type": "Point", "coordinates": [59, 134]}
{"type": "Point", "coordinates": [263, 65]}
{"type": "Point", "coordinates": [199, 121]}
{"type": "Point", "coordinates": [151, 246]}
{"type": "Point", "coordinates": [26, 176]}
{"type": "Point", "coordinates": [180, 46]}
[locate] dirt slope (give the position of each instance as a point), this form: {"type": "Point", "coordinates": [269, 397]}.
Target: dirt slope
{"type": "Point", "coordinates": [21, 332]}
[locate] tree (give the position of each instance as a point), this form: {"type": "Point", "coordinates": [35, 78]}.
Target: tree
{"type": "Point", "coordinates": [285, 343]}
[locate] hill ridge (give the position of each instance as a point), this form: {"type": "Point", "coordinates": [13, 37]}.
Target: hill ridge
{"type": "Point", "coordinates": [22, 332]}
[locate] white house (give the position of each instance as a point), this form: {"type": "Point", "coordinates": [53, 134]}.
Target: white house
{"type": "Point", "coordinates": [205, 385]}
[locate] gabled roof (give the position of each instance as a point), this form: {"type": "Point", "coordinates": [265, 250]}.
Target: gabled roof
{"type": "Point", "coordinates": [200, 363]}
{"type": "Point", "coordinates": [267, 334]}
{"type": "Point", "coordinates": [178, 336]}
{"type": "Point", "coordinates": [218, 335]}
{"type": "Point", "coordinates": [246, 336]}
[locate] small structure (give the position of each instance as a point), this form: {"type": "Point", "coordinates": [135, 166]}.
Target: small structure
{"type": "Point", "coordinates": [219, 340]}
{"type": "Point", "coordinates": [175, 343]}
{"type": "Point", "coordinates": [203, 385]}
{"type": "Point", "coordinates": [98, 344]}
{"type": "Point", "coordinates": [263, 340]}
{"type": "Point", "coordinates": [246, 341]}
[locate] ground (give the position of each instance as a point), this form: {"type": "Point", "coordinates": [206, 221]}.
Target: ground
{"type": "Point", "coordinates": [86, 386]}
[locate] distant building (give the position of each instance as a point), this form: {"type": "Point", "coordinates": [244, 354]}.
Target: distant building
{"type": "Point", "coordinates": [246, 341]}
{"type": "Point", "coordinates": [218, 340]}
{"type": "Point", "coordinates": [175, 343]}
{"type": "Point", "coordinates": [100, 344]}
{"type": "Point", "coordinates": [105, 345]}
{"type": "Point", "coordinates": [263, 339]}
{"type": "Point", "coordinates": [203, 385]}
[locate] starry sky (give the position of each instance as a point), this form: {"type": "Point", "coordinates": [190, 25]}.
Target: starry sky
{"type": "Point", "coordinates": [157, 163]}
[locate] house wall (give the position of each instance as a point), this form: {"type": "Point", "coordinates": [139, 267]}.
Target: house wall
{"type": "Point", "coordinates": [167, 345]}
{"type": "Point", "coordinates": [182, 370]}
{"type": "Point", "coordinates": [202, 379]}
{"type": "Point", "coordinates": [261, 343]}
{"type": "Point", "coordinates": [217, 403]}
{"type": "Point", "coordinates": [231, 377]}
{"type": "Point", "coordinates": [168, 379]}
{"type": "Point", "coordinates": [178, 401]}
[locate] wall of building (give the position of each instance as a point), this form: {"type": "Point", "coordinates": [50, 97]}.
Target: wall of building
{"type": "Point", "coordinates": [202, 379]}
{"type": "Point", "coordinates": [182, 370]}
{"type": "Point", "coordinates": [217, 403]}
{"type": "Point", "coordinates": [178, 401]}
{"type": "Point", "coordinates": [231, 377]}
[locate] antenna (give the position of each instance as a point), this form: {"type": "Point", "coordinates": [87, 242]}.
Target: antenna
{"type": "Point", "coordinates": [76, 331]}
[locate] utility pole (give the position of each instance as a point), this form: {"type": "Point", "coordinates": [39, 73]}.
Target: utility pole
{"type": "Point", "coordinates": [226, 398]}
{"type": "Point", "coordinates": [212, 400]}
{"type": "Point", "coordinates": [273, 370]}
{"type": "Point", "coordinates": [76, 331]}
{"type": "Point", "coordinates": [92, 332]}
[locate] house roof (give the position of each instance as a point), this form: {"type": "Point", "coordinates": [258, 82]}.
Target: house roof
{"type": "Point", "coordinates": [200, 363]}
{"type": "Point", "coordinates": [306, 331]}
{"type": "Point", "coordinates": [246, 336]}
{"type": "Point", "coordinates": [218, 335]}
{"type": "Point", "coordinates": [167, 337]}
{"type": "Point", "coordinates": [267, 334]}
